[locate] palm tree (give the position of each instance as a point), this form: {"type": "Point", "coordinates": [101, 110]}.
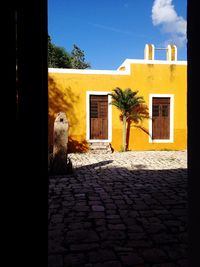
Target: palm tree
{"type": "Point", "coordinates": [132, 109]}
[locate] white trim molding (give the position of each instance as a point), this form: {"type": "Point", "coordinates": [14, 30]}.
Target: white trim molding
{"type": "Point", "coordinates": [171, 135]}
{"type": "Point", "coordinates": [88, 93]}
{"type": "Point", "coordinates": [126, 65]}
{"type": "Point", "coordinates": [155, 61]}
{"type": "Point", "coordinates": [127, 71]}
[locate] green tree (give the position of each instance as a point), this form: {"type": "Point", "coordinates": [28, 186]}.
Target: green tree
{"type": "Point", "coordinates": [58, 57]}
{"type": "Point", "coordinates": [50, 52]}
{"type": "Point", "coordinates": [61, 58]}
{"type": "Point", "coordinates": [132, 109]}
{"type": "Point", "coordinates": [78, 58]}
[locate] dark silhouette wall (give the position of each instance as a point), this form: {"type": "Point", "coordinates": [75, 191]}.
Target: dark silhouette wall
{"type": "Point", "coordinates": [193, 133]}
{"type": "Point", "coordinates": [30, 154]}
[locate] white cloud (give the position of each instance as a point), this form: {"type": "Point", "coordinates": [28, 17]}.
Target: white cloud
{"type": "Point", "coordinates": [164, 14]}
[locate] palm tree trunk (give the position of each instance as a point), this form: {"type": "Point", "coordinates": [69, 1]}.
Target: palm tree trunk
{"type": "Point", "coordinates": [128, 134]}
{"type": "Point", "coordinates": [124, 133]}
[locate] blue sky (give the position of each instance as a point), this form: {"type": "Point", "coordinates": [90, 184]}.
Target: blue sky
{"type": "Point", "coordinates": [109, 31]}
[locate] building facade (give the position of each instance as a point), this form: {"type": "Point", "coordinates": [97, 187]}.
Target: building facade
{"type": "Point", "coordinates": [84, 96]}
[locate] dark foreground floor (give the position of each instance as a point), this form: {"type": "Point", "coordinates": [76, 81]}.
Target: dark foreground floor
{"type": "Point", "coordinates": [109, 216]}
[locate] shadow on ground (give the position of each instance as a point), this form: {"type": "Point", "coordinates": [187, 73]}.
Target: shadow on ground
{"type": "Point", "coordinates": [115, 217]}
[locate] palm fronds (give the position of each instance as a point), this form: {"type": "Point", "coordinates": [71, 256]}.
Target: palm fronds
{"type": "Point", "coordinates": [132, 107]}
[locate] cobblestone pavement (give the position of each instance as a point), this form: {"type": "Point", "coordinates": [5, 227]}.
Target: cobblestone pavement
{"type": "Point", "coordinates": [120, 209]}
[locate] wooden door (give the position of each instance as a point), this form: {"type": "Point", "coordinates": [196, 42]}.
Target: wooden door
{"type": "Point", "coordinates": [161, 118]}
{"type": "Point", "coordinates": [98, 117]}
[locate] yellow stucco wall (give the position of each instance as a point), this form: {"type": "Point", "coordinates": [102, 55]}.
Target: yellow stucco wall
{"type": "Point", "coordinates": [67, 92]}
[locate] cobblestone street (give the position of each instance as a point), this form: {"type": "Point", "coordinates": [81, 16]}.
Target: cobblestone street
{"type": "Point", "coordinates": [120, 210]}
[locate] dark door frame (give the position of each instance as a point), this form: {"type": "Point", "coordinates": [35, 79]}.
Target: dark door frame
{"type": "Point", "coordinates": [88, 93]}
{"type": "Point", "coordinates": [171, 127]}
{"type": "Point", "coordinates": [98, 116]}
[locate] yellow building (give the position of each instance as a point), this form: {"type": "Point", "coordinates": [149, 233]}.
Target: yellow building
{"type": "Point", "coordinates": [84, 96]}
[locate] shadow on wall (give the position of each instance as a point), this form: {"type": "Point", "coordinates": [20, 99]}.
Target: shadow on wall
{"type": "Point", "coordinates": [76, 146]}
{"type": "Point", "coordinates": [63, 100]}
